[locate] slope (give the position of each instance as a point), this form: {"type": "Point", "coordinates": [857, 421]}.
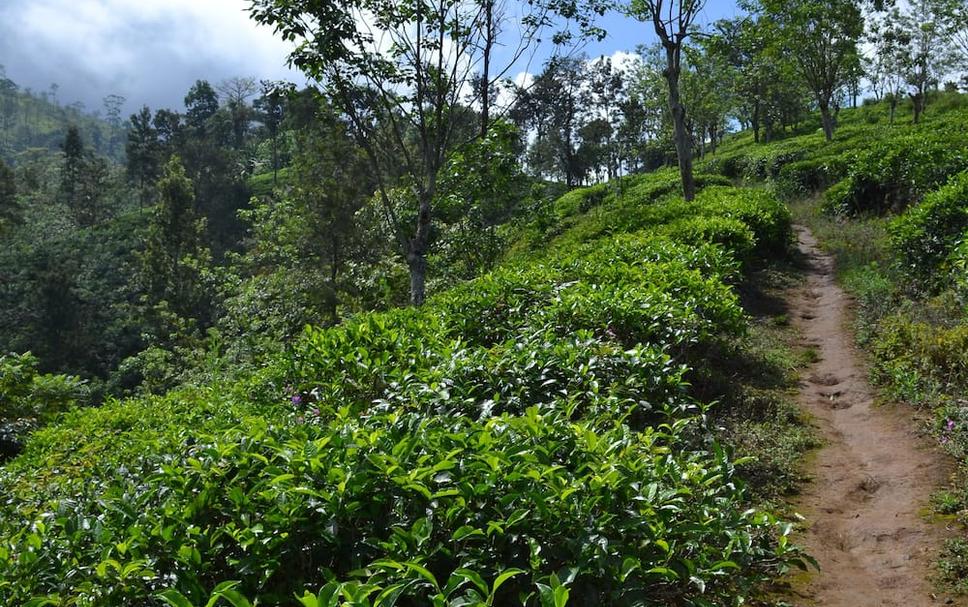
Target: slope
{"type": "Point", "coordinates": [540, 435]}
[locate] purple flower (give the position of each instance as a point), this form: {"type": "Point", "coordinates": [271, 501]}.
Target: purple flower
{"type": "Point", "coordinates": [316, 411]}
{"type": "Point", "coordinates": [951, 425]}
{"type": "Point", "coordinates": [296, 400]}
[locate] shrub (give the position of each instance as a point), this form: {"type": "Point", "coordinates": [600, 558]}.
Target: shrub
{"type": "Point", "coordinates": [805, 177]}
{"type": "Point", "coordinates": [444, 507]}
{"type": "Point", "coordinates": [768, 218]}
{"type": "Point", "coordinates": [924, 236]}
{"type": "Point", "coordinates": [895, 172]}
{"type": "Point", "coordinates": [525, 436]}
{"type": "Point", "coordinates": [581, 200]}
{"type": "Point", "coordinates": [732, 234]}
{"type": "Point", "coordinates": [29, 399]}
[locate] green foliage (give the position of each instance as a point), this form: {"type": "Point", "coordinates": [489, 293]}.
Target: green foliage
{"type": "Point", "coordinates": [894, 172]}
{"type": "Point", "coordinates": [528, 437]}
{"type": "Point", "coordinates": [10, 211]}
{"type": "Point", "coordinates": [37, 121]}
{"type": "Point", "coordinates": [923, 238]}
{"type": "Point", "coordinates": [802, 178]}
{"type": "Point", "coordinates": [29, 398]}
{"type": "Point", "coordinates": [481, 188]}
{"type": "Point", "coordinates": [646, 202]}
{"type": "Point", "coordinates": [175, 256]}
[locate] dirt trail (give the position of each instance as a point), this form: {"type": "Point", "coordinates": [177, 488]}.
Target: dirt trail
{"type": "Point", "coordinates": [874, 476]}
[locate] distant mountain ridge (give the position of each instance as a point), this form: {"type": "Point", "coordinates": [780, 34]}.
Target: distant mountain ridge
{"type": "Point", "coordinates": [31, 120]}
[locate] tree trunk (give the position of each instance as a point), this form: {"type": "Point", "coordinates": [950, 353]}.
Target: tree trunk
{"type": "Point", "coordinates": [828, 121]}
{"type": "Point", "coordinates": [333, 279]}
{"type": "Point", "coordinates": [917, 101]}
{"type": "Point", "coordinates": [893, 108]}
{"type": "Point", "coordinates": [417, 255]}
{"type": "Point", "coordinates": [683, 144]}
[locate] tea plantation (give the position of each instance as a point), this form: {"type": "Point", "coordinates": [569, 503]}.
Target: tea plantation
{"type": "Point", "coordinates": [541, 435]}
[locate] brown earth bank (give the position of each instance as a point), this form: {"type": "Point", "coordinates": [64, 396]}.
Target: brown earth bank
{"type": "Point", "coordinates": [872, 480]}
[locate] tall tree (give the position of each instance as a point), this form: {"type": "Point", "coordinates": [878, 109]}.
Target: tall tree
{"type": "Point", "coordinates": [201, 103]}
{"type": "Point", "coordinates": [822, 36]}
{"type": "Point", "coordinates": [73, 167]}
{"type": "Point", "coordinates": [236, 93]}
{"type": "Point", "coordinates": [9, 207]}
{"type": "Point", "coordinates": [412, 68]}
{"type": "Point", "coordinates": [554, 107]}
{"type": "Point", "coordinates": [91, 189]}
{"type": "Point", "coordinates": [959, 36]}
{"type": "Point", "coordinates": [927, 26]}
{"type": "Point", "coordinates": [271, 109]}
{"type": "Point", "coordinates": [673, 23]}
{"type": "Point", "coordinates": [890, 53]}
{"type": "Point", "coordinates": [174, 256]}
{"type": "Point", "coordinates": [143, 151]}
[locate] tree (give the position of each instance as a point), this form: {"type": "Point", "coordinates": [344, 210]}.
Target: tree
{"type": "Point", "coordinates": [330, 184]}
{"type": "Point", "coordinates": [401, 81]}
{"type": "Point", "coordinates": [9, 207]}
{"type": "Point", "coordinates": [271, 109]}
{"type": "Point", "coordinates": [645, 132]}
{"type": "Point", "coordinates": [236, 93]}
{"type": "Point", "coordinates": [71, 173]}
{"type": "Point", "coordinates": [143, 151]}
{"type": "Point", "coordinates": [673, 21]}
{"type": "Point", "coordinates": [926, 27]}
{"type": "Point", "coordinates": [822, 36]}
{"type": "Point", "coordinates": [959, 36]}
{"type": "Point", "coordinates": [706, 96]}
{"type": "Point", "coordinates": [886, 68]}
{"type": "Point", "coordinates": [553, 108]}
{"type": "Point", "coordinates": [607, 84]}
{"type": "Point", "coordinates": [175, 257]}
{"type": "Point", "coordinates": [113, 104]}
{"type": "Point", "coordinates": [482, 186]}
{"type": "Point", "coordinates": [201, 103]}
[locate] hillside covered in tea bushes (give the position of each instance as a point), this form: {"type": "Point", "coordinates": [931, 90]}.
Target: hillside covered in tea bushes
{"type": "Point", "coordinates": [544, 434]}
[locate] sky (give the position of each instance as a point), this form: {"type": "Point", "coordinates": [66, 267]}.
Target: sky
{"type": "Point", "coordinates": [152, 51]}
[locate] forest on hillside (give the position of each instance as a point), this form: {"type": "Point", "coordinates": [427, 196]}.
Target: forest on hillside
{"type": "Point", "coordinates": [424, 332]}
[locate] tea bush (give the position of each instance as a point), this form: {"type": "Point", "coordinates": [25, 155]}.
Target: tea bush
{"type": "Point", "coordinates": [413, 507]}
{"type": "Point", "coordinates": [895, 172]}
{"type": "Point", "coordinates": [29, 399]}
{"type": "Point", "coordinates": [805, 177]}
{"type": "Point", "coordinates": [526, 438]}
{"type": "Point", "coordinates": [924, 236]}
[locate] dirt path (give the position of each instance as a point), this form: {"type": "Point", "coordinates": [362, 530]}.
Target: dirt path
{"type": "Point", "coordinates": [872, 479]}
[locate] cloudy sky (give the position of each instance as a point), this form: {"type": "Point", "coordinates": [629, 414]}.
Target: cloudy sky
{"type": "Point", "coordinates": [151, 51]}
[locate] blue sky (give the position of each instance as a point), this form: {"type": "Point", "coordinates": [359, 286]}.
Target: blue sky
{"type": "Point", "coordinates": [151, 51]}
{"type": "Point", "coordinates": [625, 34]}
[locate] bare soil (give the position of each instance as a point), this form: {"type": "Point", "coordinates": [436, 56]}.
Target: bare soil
{"type": "Point", "coordinates": [872, 480]}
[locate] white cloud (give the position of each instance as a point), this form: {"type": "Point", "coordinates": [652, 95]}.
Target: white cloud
{"type": "Point", "coordinates": [148, 50]}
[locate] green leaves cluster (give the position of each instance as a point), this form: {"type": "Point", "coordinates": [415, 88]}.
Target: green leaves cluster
{"type": "Point", "coordinates": [894, 172]}
{"type": "Point", "coordinates": [925, 236]}
{"type": "Point", "coordinates": [527, 438]}
{"type": "Point", "coordinates": [29, 398]}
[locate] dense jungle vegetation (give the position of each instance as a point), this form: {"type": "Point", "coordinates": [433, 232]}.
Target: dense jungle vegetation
{"type": "Point", "coordinates": [418, 334]}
